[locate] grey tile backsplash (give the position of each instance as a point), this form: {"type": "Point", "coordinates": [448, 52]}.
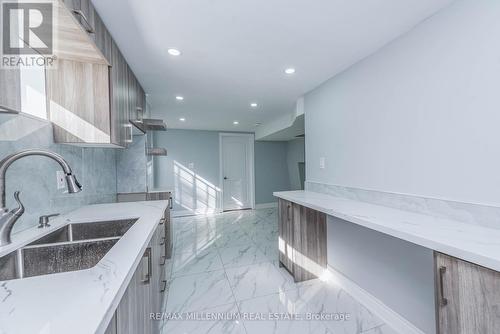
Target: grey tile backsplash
{"type": "Point", "coordinates": [131, 167]}
{"type": "Point", "coordinates": [35, 177]}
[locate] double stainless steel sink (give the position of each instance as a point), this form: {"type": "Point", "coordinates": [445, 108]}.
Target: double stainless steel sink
{"type": "Point", "coordinates": [72, 247]}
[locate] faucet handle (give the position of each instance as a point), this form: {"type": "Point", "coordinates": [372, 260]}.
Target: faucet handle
{"type": "Point", "coordinates": [43, 221]}
{"type": "Point", "coordinates": [20, 209]}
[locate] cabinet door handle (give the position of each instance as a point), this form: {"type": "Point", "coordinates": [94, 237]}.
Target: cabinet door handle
{"type": "Point", "coordinates": [443, 301]}
{"type": "Point", "coordinates": [139, 112]}
{"type": "Point", "coordinates": [171, 203]}
{"type": "Point", "coordinates": [147, 278]}
{"type": "Point", "coordinates": [288, 211]}
{"type": "Point", "coordinates": [88, 28]}
{"type": "Point", "coordinates": [164, 286]}
{"type": "Point", "coordinates": [129, 135]}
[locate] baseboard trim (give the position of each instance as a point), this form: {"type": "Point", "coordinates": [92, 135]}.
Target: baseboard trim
{"type": "Point", "coordinates": [266, 205]}
{"type": "Point", "coordinates": [389, 316]}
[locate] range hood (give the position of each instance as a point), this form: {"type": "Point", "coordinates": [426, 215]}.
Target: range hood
{"type": "Point", "coordinates": [150, 124]}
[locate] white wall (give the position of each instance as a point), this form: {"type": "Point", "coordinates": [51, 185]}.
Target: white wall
{"type": "Point", "coordinates": [421, 116]}
{"type": "Point", "coordinates": [397, 272]}
{"type": "Point", "coordinates": [191, 169]}
{"type": "Point", "coordinates": [294, 154]}
{"type": "Point", "coordinates": [271, 170]}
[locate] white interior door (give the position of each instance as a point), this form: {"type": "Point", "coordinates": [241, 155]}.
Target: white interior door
{"type": "Point", "coordinates": [237, 171]}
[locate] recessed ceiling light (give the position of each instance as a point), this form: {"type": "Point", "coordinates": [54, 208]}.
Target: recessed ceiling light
{"type": "Point", "coordinates": [236, 122]}
{"type": "Point", "coordinates": [253, 105]}
{"type": "Point", "coordinates": [174, 52]}
{"type": "Point", "coordinates": [182, 119]}
{"type": "Point", "coordinates": [179, 98]}
{"type": "Point", "coordinates": [290, 70]}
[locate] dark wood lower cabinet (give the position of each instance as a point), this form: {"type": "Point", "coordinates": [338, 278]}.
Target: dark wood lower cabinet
{"type": "Point", "coordinates": [302, 240]}
{"type": "Point", "coordinates": [309, 243]}
{"type": "Point", "coordinates": [467, 298]}
{"type": "Point", "coordinates": [145, 292]}
{"type": "Point", "coordinates": [159, 281]}
{"type": "Point", "coordinates": [155, 196]}
{"type": "Point", "coordinates": [132, 314]}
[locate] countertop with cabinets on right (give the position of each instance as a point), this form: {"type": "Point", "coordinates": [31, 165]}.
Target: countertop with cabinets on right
{"type": "Point", "coordinates": [473, 243]}
{"type": "Point", "coordinates": [466, 257]}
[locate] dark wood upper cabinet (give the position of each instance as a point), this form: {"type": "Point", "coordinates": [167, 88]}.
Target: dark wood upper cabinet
{"type": "Point", "coordinates": [92, 92]}
{"type": "Point", "coordinates": [78, 95]}
{"type": "Point", "coordinates": [87, 17]}
{"type": "Point", "coordinates": [83, 11]}
{"type": "Point", "coordinates": [10, 90]}
{"type": "Point", "coordinates": [75, 32]}
{"type": "Point", "coordinates": [119, 97]}
{"type": "Point", "coordinates": [102, 38]}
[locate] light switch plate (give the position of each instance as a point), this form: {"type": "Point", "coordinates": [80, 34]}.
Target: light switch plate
{"type": "Point", "coordinates": [322, 162]}
{"type": "Point", "coordinates": [60, 179]}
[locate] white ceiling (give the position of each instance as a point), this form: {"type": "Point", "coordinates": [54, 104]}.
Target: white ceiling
{"type": "Point", "coordinates": [234, 51]}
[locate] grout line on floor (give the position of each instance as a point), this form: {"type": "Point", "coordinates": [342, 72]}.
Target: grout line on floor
{"type": "Point", "coordinates": [232, 293]}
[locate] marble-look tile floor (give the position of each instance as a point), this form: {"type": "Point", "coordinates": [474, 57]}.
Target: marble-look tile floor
{"type": "Point", "coordinates": [226, 266]}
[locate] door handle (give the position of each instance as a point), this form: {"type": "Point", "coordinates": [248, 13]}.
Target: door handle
{"type": "Point", "coordinates": [147, 277]}
{"type": "Point", "coordinates": [225, 177]}
{"type": "Point", "coordinates": [88, 28]}
{"type": "Point", "coordinates": [164, 286]}
{"type": "Point", "coordinates": [443, 301]}
{"type": "Point", "coordinates": [128, 133]}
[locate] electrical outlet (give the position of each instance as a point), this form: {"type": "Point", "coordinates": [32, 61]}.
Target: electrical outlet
{"type": "Point", "coordinates": [322, 162]}
{"type": "Point", "coordinates": [60, 179]}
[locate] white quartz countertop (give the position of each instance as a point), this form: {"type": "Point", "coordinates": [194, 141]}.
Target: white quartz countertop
{"type": "Point", "coordinates": [477, 244]}
{"type": "Point", "coordinates": [80, 301]}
